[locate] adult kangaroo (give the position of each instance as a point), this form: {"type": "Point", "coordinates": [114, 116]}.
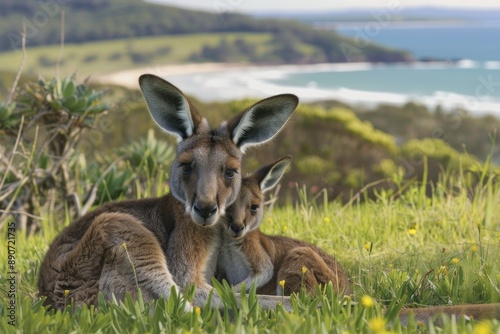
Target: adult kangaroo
{"type": "Point", "coordinates": [247, 256]}
{"type": "Point", "coordinates": [171, 241]}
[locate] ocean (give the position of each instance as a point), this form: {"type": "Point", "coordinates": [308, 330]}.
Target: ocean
{"type": "Point", "coordinates": [471, 83]}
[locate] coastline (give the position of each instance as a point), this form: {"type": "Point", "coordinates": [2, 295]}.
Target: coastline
{"type": "Point", "coordinates": [236, 81]}
{"type": "Point", "coordinates": [129, 78]}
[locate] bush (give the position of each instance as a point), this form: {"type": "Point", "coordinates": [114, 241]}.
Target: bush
{"type": "Point", "coordinates": [44, 124]}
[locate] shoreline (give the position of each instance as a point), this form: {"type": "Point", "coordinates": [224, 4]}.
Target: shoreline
{"type": "Point", "coordinates": [129, 78]}
{"type": "Point", "coordinates": [235, 81]}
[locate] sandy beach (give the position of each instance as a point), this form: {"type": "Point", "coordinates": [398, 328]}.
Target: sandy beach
{"type": "Point", "coordinates": [225, 81]}
{"type": "Point", "coordinates": [129, 78]}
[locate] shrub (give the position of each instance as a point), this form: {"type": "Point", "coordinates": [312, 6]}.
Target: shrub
{"type": "Point", "coordinates": [44, 123]}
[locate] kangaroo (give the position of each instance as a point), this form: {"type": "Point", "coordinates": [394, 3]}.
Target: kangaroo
{"type": "Point", "coordinates": [170, 242]}
{"type": "Point", "coordinates": [248, 256]}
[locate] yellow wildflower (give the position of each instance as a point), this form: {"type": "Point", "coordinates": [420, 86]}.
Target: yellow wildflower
{"type": "Point", "coordinates": [443, 270]}
{"type": "Point", "coordinates": [367, 301]}
{"type": "Point", "coordinates": [124, 246]}
{"type": "Point", "coordinates": [197, 310]}
{"type": "Point", "coordinates": [66, 293]}
{"type": "Point", "coordinates": [473, 248]}
{"type": "Point", "coordinates": [326, 220]}
{"type": "Point", "coordinates": [304, 270]}
{"type": "Point", "coordinates": [455, 260]}
{"type": "Point", "coordinates": [368, 246]}
{"type": "Point", "coordinates": [412, 231]}
{"type": "Point", "coordinates": [282, 283]}
{"type": "Point", "coordinates": [420, 324]}
{"type": "Point", "coordinates": [377, 325]}
{"type": "Point", "coordinates": [483, 328]}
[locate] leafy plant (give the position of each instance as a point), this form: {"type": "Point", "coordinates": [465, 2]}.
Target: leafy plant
{"type": "Point", "coordinates": [148, 153]}
{"type": "Point", "coordinates": [45, 122]}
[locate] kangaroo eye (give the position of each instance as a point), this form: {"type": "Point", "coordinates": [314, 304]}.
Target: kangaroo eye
{"type": "Point", "coordinates": [229, 173]}
{"type": "Point", "coordinates": [187, 168]}
{"type": "Point", "coordinates": [254, 208]}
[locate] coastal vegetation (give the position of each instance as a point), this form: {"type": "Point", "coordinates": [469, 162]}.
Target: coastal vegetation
{"type": "Point", "coordinates": [342, 149]}
{"type": "Point", "coordinates": [421, 242]}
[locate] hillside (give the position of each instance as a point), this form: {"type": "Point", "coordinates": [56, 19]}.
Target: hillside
{"type": "Point", "coordinates": [98, 20]}
{"type": "Point", "coordinates": [420, 14]}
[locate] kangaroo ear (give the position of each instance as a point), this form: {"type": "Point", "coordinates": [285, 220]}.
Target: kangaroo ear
{"type": "Point", "coordinates": [262, 121]}
{"type": "Point", "coordinates": [269, 176]}
{"type": "Point", "coordinates": [169, 108]}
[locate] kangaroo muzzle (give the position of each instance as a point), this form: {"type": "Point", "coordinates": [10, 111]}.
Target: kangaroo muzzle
{"type": "Point", "coordinates": [205, 213]}
{"type": "Point", "coordinates": [237, 229]}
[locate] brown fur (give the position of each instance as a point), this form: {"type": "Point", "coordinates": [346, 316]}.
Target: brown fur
{"type": "Point", "coordinates": [89, 257]}
{"type": "Point", "coordinates": [168, 242]}
{"type": "Point", "coordinates": [253, 257]}
{"type": "Point", "coordinates": [288, 257]}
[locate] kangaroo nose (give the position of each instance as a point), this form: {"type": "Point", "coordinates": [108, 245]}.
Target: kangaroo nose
{"type": "Point", "coordinates": [237, 229]}
{"type": "Point", "coordinates": [205, 210]}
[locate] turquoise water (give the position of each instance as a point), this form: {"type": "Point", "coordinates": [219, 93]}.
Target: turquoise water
{"type": "Point", "coordinates": [475, 78]}
{"type": "Point", "coordinates": [472, 83]}
{"type": "Point", "coordinates": [475, 41]}
{"type": "Point", "coordinates": [405, 79]}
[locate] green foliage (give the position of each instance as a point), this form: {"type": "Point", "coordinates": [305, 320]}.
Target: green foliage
{"type": "Point", "coordinates": [112, 186]}
{"type": "Point", "coordinates": [387, 167]}
{"type": "Point", "coordinates": [311, 165]}
{"type": "Point", "coordinates": [59, 99]}
{"type": "Point", "coordinates": [351, 123]}
{"type": "Point", "coordinates": [448, 259]}
{"type": "Point", "coordinates": [149, 153]}
{"type": "Point", "coordinates": [437, 150]}
{"type": "Point", "coordinates": [43, 124]}
{"type": "Point", "coordinates": [119, 54]}
{"type": "Point", "coordinates": [9, 117]}
{"type": "Point", "coordinates": [459, 128]}
{"type": "Point", "coordinates": [293, 42]}
{"type": "Point", "coordinates": [225, 51]}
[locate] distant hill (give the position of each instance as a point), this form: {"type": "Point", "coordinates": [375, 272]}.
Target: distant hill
{"type": "Point", "coordinates": [93, 20]}
{"type": "Point", "coordinates": [408, 14]}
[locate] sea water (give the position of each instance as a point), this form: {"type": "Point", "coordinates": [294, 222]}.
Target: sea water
{"type": "Point", "coordinates": [467, 75]}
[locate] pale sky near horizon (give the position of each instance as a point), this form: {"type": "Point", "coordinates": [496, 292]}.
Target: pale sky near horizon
{"type": "Point", "coordinates": [321, 5]}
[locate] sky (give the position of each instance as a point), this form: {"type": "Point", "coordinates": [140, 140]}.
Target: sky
{"type": "Point", "coordinates": [255, 6]}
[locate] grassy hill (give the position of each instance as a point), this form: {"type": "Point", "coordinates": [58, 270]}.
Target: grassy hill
{"type": "Point", "coordinates": [96, 58]}
{"type": "Point", "coordinates": [99, 20]}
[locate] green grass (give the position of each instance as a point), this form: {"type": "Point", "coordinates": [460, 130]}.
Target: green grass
{"type": "Point", "coordinates": [434, 250]}
{"type": "Point", "coordinates": [102, 57]}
